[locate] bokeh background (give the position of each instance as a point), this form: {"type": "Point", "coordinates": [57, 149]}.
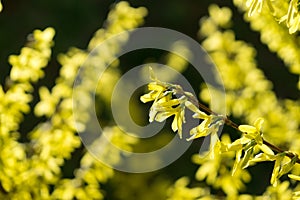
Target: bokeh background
{"type": "Point", "coordinates": [75, 22]}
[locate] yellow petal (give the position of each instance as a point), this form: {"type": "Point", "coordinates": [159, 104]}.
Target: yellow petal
{"type": "Point", "coordinates": [198, 114]}
{"type": "Point", "coordinates": [161, 116]}
{"type": "Point", "coordinates": [174, 123]}
{"type": "Point", "coordinates": [152, 75]}
{"type": "Point", "coordinates": [170, 103]}
{"type": "Point", "coordinates": [247, 129]}
{"type": "Point", "coordinates": [276, 169]}
{"type": "Point", "coordinates": [44, 93]}
{"type": "Point", "coordinates": [258, 123]}
{"type": "Point", "coordinates": [148, 97]}
{"type": "Point", "coordinates": [292, 176]}
{"type": "Point", "coordinates": [155, 86]}
{"type": "Point", "coordinates": [192, 107]}
{"type": "Point", "coordinates": [266, 149]}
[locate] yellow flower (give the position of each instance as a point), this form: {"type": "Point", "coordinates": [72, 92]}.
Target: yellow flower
{"type": "Point", "coordinates": [280, 167]}
{"type": "Point", "coordinates": [47, 105]}
{"type": "Point", "coordinates": [221, 16]}
{"type": "Point", "coordinates": [164, 108]}
{"type": "Point", "coordinates": [292, 176]}
{"type": "Point", "coordinates": [256, 6]}
{"type": "Point", "coordinates": [209, 125]}
{"type": "Point", "coordinates": [180, 190]}
{"type": "Point", "coordinates": [200, 131]}
{"type": "Point", "coordinates": [293, 17]}
{"type": "Point", "coordinates": [158, 89]}
{"type": "Point", "coordinates": [254, 133]}
{"type": "Point", "coordinates": [156, 92]}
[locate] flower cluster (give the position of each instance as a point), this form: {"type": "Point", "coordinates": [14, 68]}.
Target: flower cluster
{"type": "Point", "coordinates": [289, 10]}
{"type": "Point", "coordinates": [224, 166]}
{"type": "Point", "coordinates": [165, 105]}
{"type": "Point", "coordinates": [33, 169]}
{"type": "Point", "coordinates": [17, 168]}
{"type": "Point", "coordinates": [252, 96]}
{"type": "Point", "coordinates": [273, 34]}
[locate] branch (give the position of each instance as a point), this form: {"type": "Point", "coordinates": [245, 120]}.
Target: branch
{"type": "Point", "coordinates": [232, 124]}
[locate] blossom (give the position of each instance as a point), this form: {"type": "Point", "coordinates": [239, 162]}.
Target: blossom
{"type": "Point", "coordinates": [292, 176]}
{"type": "Point", "coordinates": [254, 133]}
{"type": "Point", "coordinates": [180, 190]}
{"type": "Point", "coordinates": [209, 125]}
{"type": "Point", "coordinates": [220, 16]}
{"type": "Point", "coordinates": [292, 17]}
{"type": "Point", "coordinates": [165, 108]}
{"type": "Point", "coordinates": [256, 6]}
{"type": "Point", "coordinates": [156, 92]}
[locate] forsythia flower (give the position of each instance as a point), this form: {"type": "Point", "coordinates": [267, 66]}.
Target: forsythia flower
{"type": "Point", "coordinates": [47, 105]}
{"type": "Point", "coordinates": [161, 111]}
{"type": "Point", "coordinates": [157, 91]}
{"type": "Point", "coordinates": [292, 18]}
{"type": "Point", "coordinates": [280, 191]}
{"type": "Point", "coordinates": [180, 191]}
{"type": "Point", "coordinates": [256, 6]}
{"type": "Point", "coordinates": [280, 168]}
{"type": "Point", "coordinates": [164, 106]}
{"type": "Point", "coordinates": [254, 133]}
{"type": "Point", "coordinates": [292, 176]}
{"type": "Point", "coordinates": [214, 167]}
{"type": "Point", "coordinates": [209, 125]}
{"type": "Point", "coordinates": [245, 145]}
{"type": "Point", "coordinates": [220, 16]}
{"type": "Point", "coordinates": [296, 195]}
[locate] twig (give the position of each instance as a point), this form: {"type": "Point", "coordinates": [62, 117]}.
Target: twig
{"type": "Point", "coordinates": [232, 124]}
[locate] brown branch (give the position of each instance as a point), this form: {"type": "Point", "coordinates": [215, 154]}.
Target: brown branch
{"type": "Point", "coordinates": [232, 124]}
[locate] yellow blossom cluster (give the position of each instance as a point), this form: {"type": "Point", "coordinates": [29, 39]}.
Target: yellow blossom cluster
{"type": "Point", "coordinates": [248, 97]}
{"type": "Point", "coordinates": [251, 95]}
{"type": "Point", "coordinates": [218, 166]}
{"type": "Point", "coordinates": [277, 37]}
{"type": "Point", "coordinates": [32, 170]}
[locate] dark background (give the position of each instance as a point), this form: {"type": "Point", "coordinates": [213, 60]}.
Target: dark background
{"type": "Point", "coordinates": [75, 22]}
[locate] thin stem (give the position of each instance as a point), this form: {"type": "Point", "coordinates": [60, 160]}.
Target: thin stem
{"type": "Point", "coordinates": [232, 124]}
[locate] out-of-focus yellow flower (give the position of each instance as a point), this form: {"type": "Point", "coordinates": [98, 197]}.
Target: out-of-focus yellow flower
{"type": "Point", "coordinates": [280, 191]}
{"type": "Point", "coordinates": [181, 191]}
{"type": "Point", "coordinates": [1, 7]}
{"type": "Point", "coordinates": [47, 104]}
{"type": "Point", "coordinates": [215, 167]}
{"type": "Point", "coordinates": [221, 16]}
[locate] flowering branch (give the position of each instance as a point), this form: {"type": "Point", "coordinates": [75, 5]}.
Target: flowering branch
{"type": "Point", "coordinates": [232, 124]}
{"type": "Point", "coordinates": [170, 99]}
